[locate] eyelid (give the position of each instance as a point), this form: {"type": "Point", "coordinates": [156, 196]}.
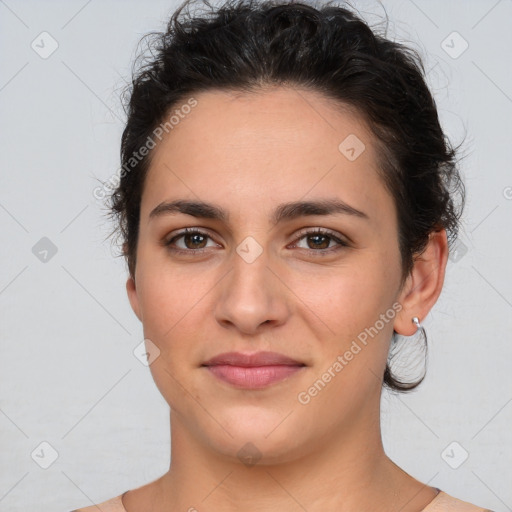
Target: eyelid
{"type": "Point", "coordinates": [304, 231]}
{"type": "Point", "coordinates": [186, 231]}
{"type": "Point", "coordinates": [322, 231]}
{"type": "Point", "coordinates": [339, 239]}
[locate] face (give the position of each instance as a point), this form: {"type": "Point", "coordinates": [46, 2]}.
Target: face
{"type": "Point", "coordinates": [261, 277]}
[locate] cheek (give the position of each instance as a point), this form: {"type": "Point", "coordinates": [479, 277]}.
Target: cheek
{"type": "Point", "coordinates": [356, 303]}
{"type": "Point", "coordinates": [171, 302]}
{"type": "Point", "coordinates": [352, 298]}
{"type": "Point", "coordinates": [167, 289]}
{"type": "Point", "coordinates": [171, 307]}
{"type": "Point", "coordinates": [354, 356]}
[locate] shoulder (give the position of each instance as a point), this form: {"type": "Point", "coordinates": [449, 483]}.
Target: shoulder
{"type": "Point", "coordinates": [444, 502]}
{"type": "Point", "coordinates": [111, 505]}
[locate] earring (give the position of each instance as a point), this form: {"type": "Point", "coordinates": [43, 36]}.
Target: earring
{"type": "Point", "coordinates": [416, 321]}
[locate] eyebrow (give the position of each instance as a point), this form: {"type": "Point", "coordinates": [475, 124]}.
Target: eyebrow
{"type": "Point", "coordinates": [283, 212]}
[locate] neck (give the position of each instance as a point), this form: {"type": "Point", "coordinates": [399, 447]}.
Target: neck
{"type": "Point", "coordinates": [351, 472]}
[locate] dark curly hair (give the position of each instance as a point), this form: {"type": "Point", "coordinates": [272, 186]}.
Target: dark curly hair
{"type": "Point", "coordinates": [247, 45]}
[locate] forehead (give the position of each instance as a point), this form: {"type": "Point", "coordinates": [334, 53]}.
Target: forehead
{"type": "Point", "coordinates": [257, 147]}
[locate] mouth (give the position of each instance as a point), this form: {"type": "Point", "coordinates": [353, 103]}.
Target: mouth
{"type": "Point", "coordinates": [252, 371]}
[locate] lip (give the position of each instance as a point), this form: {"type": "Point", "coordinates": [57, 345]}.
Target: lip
{"type": "Point", "coordinates": [252, 371]}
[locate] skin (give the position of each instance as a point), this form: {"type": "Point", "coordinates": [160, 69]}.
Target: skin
{"type": "Point", "coordinates": [249, 153]}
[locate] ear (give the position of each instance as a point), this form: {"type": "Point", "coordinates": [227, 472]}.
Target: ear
{"type": "Point", "coordinates": [424, 284]}
{"type": "Point", "coordinates": [133, 297]}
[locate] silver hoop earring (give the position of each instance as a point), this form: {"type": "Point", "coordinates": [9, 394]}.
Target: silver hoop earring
{"type": "Point", "coordinates": [416, 321]}
{"type": "Point", "coordinates": [419, 328]}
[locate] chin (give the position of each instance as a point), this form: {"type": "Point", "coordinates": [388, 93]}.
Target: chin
{"type": "Point", "coordinates": [258, 436]}
{"type": "Point", "coordinates": [251, 452]}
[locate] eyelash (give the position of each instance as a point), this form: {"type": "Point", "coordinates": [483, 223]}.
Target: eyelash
{"type": "Point", "coordinates": [316, 231]}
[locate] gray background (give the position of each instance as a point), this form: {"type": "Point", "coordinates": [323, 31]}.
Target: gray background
{"type": "Point", "coordinates": [68, 373]}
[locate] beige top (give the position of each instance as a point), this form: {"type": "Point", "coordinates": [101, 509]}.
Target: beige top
{"type": "Point", "coordinates": [441, 503]}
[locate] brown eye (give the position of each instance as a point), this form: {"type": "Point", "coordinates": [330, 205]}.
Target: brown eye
{"type": "Point", "coordinates": [193, 240]}
{"type": "Point", "coordinates": [319, 241]}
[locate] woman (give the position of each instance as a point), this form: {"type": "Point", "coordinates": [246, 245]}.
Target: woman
{"type": "Point", "coordinates": [286, 206]}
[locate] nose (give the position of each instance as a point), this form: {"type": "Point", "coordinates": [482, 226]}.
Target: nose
{"type": "Point", "coordinates": [251, 295]}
